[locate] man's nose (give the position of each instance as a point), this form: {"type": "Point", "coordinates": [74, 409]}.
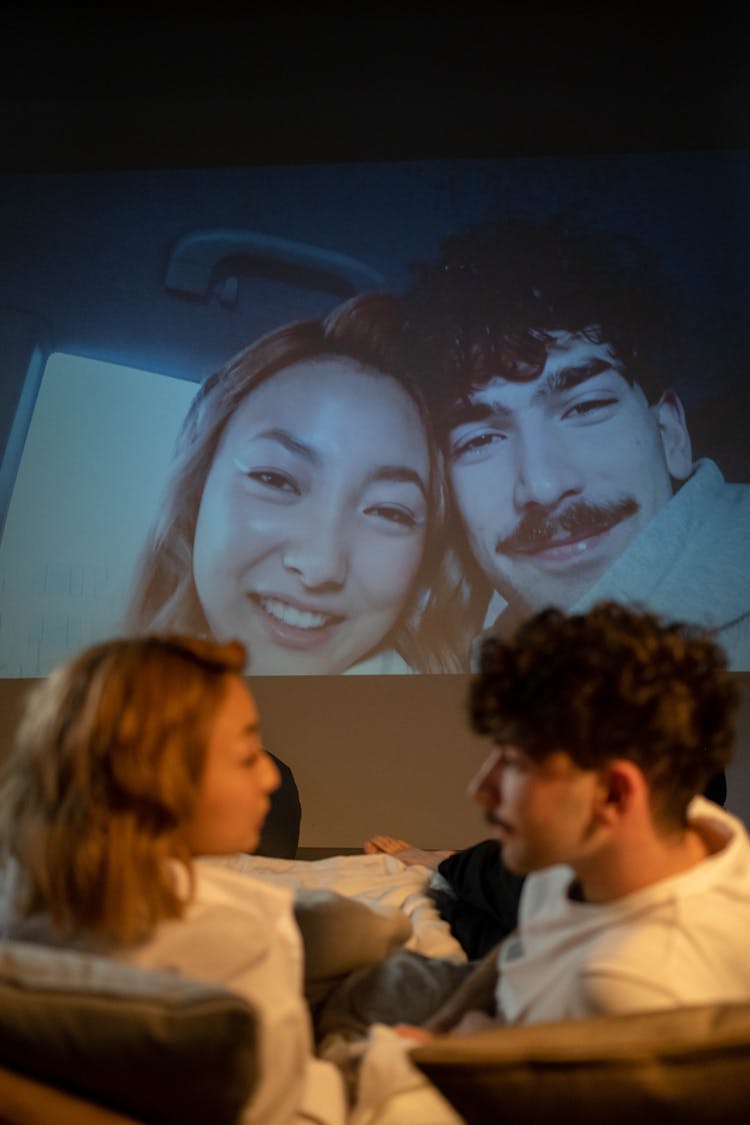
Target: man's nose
{"type": "Point", "coordinates": [544, 470]}
{"type": "Point", "coordinates": [485, 786]}
{"type": "Point", "coordinates": [317, 553]}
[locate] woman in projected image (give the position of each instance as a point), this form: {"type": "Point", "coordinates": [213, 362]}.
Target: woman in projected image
{"type": "Point", "coordinates": [304, 504]}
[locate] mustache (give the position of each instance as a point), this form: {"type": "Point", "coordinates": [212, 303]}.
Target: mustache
{"type": "Point", "coordinates": [538, 528]}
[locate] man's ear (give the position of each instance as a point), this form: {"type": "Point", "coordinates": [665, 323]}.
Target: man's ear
{"type": "Point", "coordinates": [675, 439]}
{"type": "Point", "coordinates": [622, 786]}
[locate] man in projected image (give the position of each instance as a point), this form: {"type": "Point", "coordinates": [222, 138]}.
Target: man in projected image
{"type": "Point", "coordinates": [549, 353]}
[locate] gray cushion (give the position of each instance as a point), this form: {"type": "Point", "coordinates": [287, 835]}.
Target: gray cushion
{"type": "Point", "coordinates": [153, 1045]}
{"type": "Point", "coordinates": [404, 988]}
{"type": "Point", "coordinates": [341, 934]}
{"type": "Point", "coordinates": [684, 1066]}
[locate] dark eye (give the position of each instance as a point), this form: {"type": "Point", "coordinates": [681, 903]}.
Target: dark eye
{"type": "Point", "coordinates": [475, 444]}
{"type": "Point", "coordinates": [509, 759]}
{"type": "Point", "coordinates": [271, 478]}
{"type": "Point", "coordinates": [589, 407]}
{"type": "Point", "coordinates": [392, 514]}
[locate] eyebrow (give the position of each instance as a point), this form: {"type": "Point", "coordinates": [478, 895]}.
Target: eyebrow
{"type": "Point", "coordinates": [572, 375]}
{"type": "Point", "coordinates": [397, 473]}
{"type": "Point", "coordinates": [563, 379]}
{"type": "Point", "coordinates": [292, 443]}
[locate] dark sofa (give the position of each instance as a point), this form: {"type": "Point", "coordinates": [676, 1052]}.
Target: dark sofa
{"type": "Point", "coordinates": [88, 1041]}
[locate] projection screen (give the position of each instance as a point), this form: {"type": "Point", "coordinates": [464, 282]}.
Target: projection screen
{"type": "Point", "coordinates": [335, 513]}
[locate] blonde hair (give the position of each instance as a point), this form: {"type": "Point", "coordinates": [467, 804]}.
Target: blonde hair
{"type": "Point", "coordinates": [102, 782]}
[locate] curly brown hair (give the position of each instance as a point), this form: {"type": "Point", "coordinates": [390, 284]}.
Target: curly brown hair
{"type": "Point", "coordinates": [616, 682]}
{"type": "Point", "coordinates": [485, 306]}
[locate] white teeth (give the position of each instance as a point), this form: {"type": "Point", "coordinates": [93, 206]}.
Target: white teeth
{"type": "Point", "coordinates": [288, 615]}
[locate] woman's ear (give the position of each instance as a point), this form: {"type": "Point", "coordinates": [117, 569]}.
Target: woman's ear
{"type": "Point", "coordinates": [673, 432]}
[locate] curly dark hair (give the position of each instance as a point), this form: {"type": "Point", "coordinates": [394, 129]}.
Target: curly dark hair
{"type": "Point", "coordinates": [486, 305]}
{"type": "Point", "coordinates": [612, 683]}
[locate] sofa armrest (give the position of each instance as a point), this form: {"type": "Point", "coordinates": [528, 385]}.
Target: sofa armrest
{"type": "Point", "coordinates": [26, 1101]}
{"type": "Point", "coordinates": [152, 1045]}
{"type": "Point", "coordinates": [686, 1066]}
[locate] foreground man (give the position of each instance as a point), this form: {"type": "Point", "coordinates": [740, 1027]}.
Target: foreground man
{"type": "Point", "coordinates": [604, 727]}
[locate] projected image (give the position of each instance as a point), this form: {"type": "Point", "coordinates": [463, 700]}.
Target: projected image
{"type": "Point", "coordinates": [359, 426]}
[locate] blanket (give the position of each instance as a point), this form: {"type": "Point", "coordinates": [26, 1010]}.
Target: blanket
{"type": "Point", "coordinates": [384, 1086]}
{"type": "Point", "coordinates": [377, 880]}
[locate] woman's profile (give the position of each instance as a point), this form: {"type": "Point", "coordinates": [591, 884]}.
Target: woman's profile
{"type": "Point", "coordinates": [135, 765]}
{"type": "Point", "coordinates": [303, 510]}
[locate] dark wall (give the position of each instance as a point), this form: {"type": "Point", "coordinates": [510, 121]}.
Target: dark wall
{"type": "Point", "coordinates": [90, 91]}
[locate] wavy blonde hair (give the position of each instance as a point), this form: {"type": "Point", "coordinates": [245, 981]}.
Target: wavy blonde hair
{"type": "Point", "coordinates": [102, 781]}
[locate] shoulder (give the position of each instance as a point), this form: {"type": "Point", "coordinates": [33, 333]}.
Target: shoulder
{"type": "Point", "coordinates": [234, 931]}
{"type": "Point", "coordinates": [614, 990]}
{"type": "Point", "coordinates": [222, 887]}
{"type": "Point", "coordinates": [707, 484]}
{"type": "Point", "coordinates": [728, 863]}
{"type": "Point", "coordinates": [233, 904]}
{"type": "Point", "coordinates": [227, 879]}
{"type": "Point", "coordinates": [386, 663]}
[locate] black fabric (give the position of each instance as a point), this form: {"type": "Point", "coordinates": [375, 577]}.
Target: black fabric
{"type": "Point", "coordinates": [280, 835]}
{"type": "Point", "coordinates": [481, 905]}
{"type": "Point", "coordinates": [716, 790]}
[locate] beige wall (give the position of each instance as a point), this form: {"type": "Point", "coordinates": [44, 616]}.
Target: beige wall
{"type": "Point", "coordinates": [388, 754]}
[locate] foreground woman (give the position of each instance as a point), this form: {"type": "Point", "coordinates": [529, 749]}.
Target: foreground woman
{"type": "Point", "coordinates": [131, 760]}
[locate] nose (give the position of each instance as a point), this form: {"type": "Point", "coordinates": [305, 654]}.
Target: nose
{"type": "Point", "coordinates": [544, 470]}
{"type": "Point", "coordinates": [271, 775]}
{"type": "Point", "coordinates": [318, 554]}
{"type": "Point", "coordinates": [485, 786]}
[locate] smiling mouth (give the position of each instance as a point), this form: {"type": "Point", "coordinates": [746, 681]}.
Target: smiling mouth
{"type": "Point", "coordinates": [568, 537]}
{"type": "Point", "coordinates": [570, 547]}
{"type": "Point", "coordinates": [292, 616]}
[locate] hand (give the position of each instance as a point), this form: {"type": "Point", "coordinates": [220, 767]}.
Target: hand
{"type": "Point", "coordinates": [404, 851]}
{"type": "Point", "coordinates": [418, 1034]}
{"type": "Point", "coordinates": [473, 1021]}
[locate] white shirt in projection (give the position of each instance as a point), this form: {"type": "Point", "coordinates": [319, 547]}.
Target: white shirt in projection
{"type": "Point", "coordinates": [690, 563]}
{"type": "Point", "coordinates": [681, 941]}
